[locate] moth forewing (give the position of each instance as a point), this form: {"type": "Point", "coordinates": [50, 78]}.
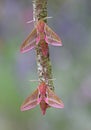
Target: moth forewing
{"type": "Point", "coordinates": [31, 101]}
{"type": "Point", "coordinates": [51, 37]}
{"type": "Point", "coordinates": [30, 42]}
{"type": "Point", "coordinates": [53, 100]}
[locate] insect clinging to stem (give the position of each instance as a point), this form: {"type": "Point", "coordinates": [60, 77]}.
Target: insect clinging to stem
{"type": "Point", "coordinates": [42, 34]}
{"type": "Point", "coordinates": [44, 96]}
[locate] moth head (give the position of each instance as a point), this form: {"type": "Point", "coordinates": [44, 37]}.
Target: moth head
{"type": "Point", "coordinates": [42, 91]}
{"type": "Point", "coordinates": [40, 26]}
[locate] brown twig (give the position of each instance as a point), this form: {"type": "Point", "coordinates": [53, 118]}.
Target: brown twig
{"type": "Point", "coordinates": [43, 63]}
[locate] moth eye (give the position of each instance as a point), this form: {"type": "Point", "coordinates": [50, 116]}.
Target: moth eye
{"type": "Point", "coordinates": [39, 95]}
{"type": "Point", "coordinates": [44, 33]}
{"type": "Point", "coordinates": [46, 94]}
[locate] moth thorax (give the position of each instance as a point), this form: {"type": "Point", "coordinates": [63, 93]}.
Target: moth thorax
{"type": "Point", "coordinates": [40, 26]}
{"type": "Point", "coordinates": [42, 88]}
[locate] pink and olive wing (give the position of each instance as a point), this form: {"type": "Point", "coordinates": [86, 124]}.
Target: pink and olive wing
{"type": "Point", "coordinates": [30, 101]}
{"type": "Point", "coordinates": [51, 37]}
{"type": "Point", "coordinates": [30, 42]}
{"type": "Point", "coordinates": [53, 100]}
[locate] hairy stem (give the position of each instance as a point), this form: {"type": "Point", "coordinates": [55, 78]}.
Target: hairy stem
{"type": "Point", "coordinates": [43, 63]}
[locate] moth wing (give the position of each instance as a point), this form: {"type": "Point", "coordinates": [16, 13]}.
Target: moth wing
{"type": "Point", "coordinates": [53, 100]}
{"type": "Point", "coordinates": [30, 42]}
{"type": "Point", "coordinates": [30, 101]}
{"type": "Point", "coordinates": [51, 37]}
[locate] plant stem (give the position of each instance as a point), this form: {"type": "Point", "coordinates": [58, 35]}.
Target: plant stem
{"type": "Point", "coordinates": [43, 63]}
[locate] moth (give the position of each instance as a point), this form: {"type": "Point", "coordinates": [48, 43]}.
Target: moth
{"type": "Point", "coordinates": [41, 34]}
{"type": "Point", "coordinates": [44, 96]}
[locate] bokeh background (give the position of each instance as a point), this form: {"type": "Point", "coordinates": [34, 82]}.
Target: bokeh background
{"type": "Point", "coordinates": [71, 65]}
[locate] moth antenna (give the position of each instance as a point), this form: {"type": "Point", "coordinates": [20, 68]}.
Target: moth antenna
{"type": "Point", "coordinates": [48, 17]}
{"type": "Point", "coordinates": [43, 18]}
{"type": "Point", "coordinates": [30, 21]}
{"type": "Point", "coordinates": [34, 80]}
{"type": "Point", "coordinates": [52, 79]}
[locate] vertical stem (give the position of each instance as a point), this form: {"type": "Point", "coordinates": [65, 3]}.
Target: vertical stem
{"type": "Point", "coordinates": [43, 63]}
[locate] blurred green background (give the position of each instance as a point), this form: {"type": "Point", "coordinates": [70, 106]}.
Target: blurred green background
{"type": "Point", "coordinates": [71, 66]}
